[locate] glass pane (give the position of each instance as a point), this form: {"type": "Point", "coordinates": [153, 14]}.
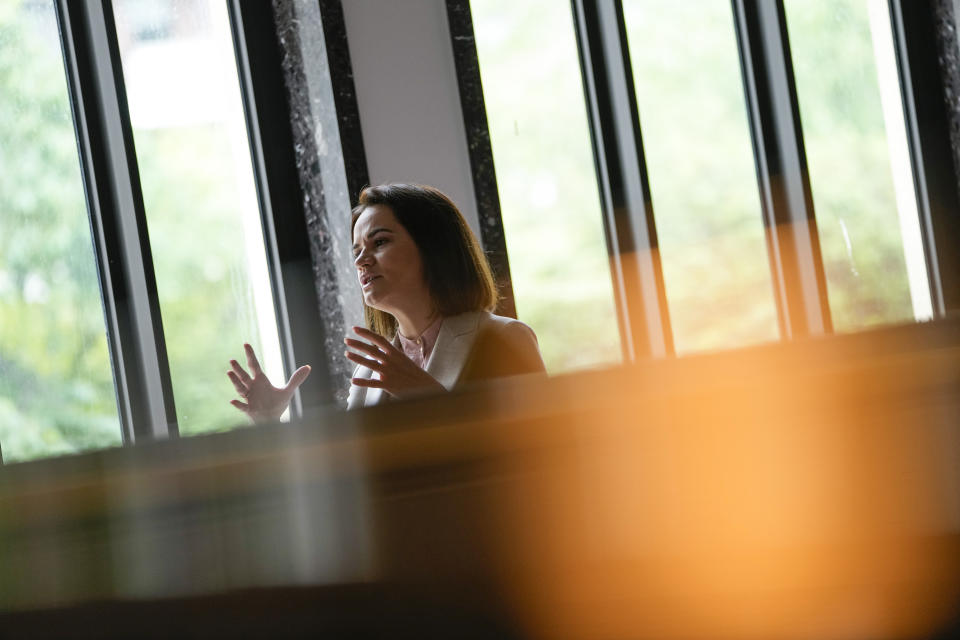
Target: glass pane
{"type": "Point", "coordinates": [855, 141]}
{"type": "Point", "coordinates": [56, 387]}
{"type": "Point", "coordinates": [701, 169]}
{"type": "Point", "coordinates": [546, 178]}
{"type": "Point", "coordinates": [200, 198]}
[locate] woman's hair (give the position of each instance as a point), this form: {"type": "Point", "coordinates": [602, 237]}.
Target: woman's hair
{"type": "Point", "coordinates": [456, 270]}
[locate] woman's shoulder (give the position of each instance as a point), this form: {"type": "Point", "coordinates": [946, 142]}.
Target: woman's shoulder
{"type": "Point", "coordinates": [504, 346]}
{"type": "Point", "coordinates": [492, 321]}
{"type": "Point", "coordinates": [484, 322]}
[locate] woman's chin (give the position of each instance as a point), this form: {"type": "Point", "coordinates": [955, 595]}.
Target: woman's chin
{"type": "Point", "coordinates": [376, 302]}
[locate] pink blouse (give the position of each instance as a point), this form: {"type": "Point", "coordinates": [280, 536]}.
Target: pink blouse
{"type": "Point", "coordinates": [418, 349]}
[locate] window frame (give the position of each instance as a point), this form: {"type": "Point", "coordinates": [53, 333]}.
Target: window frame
{"type": "Point", "coordinates": [470, 86]}
{"type": "Point", "coordinates": [783, 181]}
{"type": "Point", "coordinates": [280, 195]}
{"type": "Point", "coordinates": [790, 222]}
{"type": "Point", "coordinates": [626, 200]}
{"type": "Point", "coordinates": [117, 218]}
{"type": "Point", "coordinates": [121, 243]}
{"type": "Point", "coordinates": [118, 221]}
{"type": "Point", "coordinates": [928, 140]}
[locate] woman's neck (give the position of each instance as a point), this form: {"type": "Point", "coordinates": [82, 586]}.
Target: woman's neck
{"type": "Point", "coordinates": [412, 325]}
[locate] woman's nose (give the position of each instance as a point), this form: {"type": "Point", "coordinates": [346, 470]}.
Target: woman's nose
{"type": "Point", "coordinates": [363, 258]}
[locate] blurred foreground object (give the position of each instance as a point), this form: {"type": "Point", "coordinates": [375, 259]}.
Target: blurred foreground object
{"type": "Point", "coordinates": [810, 490]}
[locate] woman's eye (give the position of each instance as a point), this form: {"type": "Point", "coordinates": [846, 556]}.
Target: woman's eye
{"type": "Point", "coordinates": [379, 242]}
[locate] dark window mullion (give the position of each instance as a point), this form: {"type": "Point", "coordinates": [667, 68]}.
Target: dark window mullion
{"type": "Point", "coordinates": [794, 246]}
{"type": "Point", "coordinates": [482, 166]}
{"type": "Point", "coordinates": [622, 174]}
{"type": "Point", "coordinates": [118, 221]}
{"type": "Point", "coordinates": [280, 194]}
{"type": "Point", "coordinates": [931, 156]}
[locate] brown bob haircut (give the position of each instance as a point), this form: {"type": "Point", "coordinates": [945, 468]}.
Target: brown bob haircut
{"type": "Point", "coordinates": [454, 266]}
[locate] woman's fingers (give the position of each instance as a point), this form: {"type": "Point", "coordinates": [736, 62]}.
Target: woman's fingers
{"type": "Point", "coordinates": [243, 406]}
{"type": "Point", "coordinates": [367, 348]}
{"type": "Point", "coordinates": [238, 384]}
{"type": "Point", "coordinates": [376, 339]}
{"type": "Point", "coordinates": [399, 375]}
{"type": "Point", "coordinates": [367, 382]}
{"type": "Point", "coordinates": [369, 363]}
{"type": "Point", "coordinates": [252, 361]}
{"type": "Point", "coordinates": [298, 377]}
{"type": "Point", "coordinates": [240, 372]}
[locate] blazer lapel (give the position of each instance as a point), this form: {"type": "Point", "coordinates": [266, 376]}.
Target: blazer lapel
{"type": "Point", "coordinates": [362, 396]}
{"type": "Point", "coordinates": [450, 352]}
{"type": "Point", "coordinates": [449, 355]}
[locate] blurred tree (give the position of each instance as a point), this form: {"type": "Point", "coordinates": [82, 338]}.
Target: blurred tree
{"type": "Point", "coordinates": [700, 164]}
{"type": "Point", "coordinates": [203, 278]}
{"type": "Point", "coordinates": [56, 386]}
{"type": "Point", "coordinates": [701, 170]}
{"type": "Point", "coordinates": [546, 178]}
{"type": "Point", "coordinates": [848, 157]}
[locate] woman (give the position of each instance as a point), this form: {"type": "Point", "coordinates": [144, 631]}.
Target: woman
{"type": "Point", "coordinates": [428, 297]}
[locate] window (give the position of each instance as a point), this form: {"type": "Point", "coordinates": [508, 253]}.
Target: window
{"type": "Point", "coordinates": [755, 159]}
{"type": "Point", "coordinates": [548, 191]}
{"type": "Point", "coordinates": [855, 139]}
{"type": "Point", "coordinates": [200, 200]}
{"type": "Point", "coordinates": [132, 187]}
{"type": "Point", "coordinates": [56, 384]}
{"type": "Point", "coordinates": [702, 179]}
{"type": "Point", "coordinates": [143, 240]}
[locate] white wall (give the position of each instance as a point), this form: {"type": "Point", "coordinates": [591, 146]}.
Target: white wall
{"type": "Point", "coordinates": [407, 94]}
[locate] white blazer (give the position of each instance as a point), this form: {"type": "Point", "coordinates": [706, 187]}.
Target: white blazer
{"type": "Point", "coordinates": [452, 350]}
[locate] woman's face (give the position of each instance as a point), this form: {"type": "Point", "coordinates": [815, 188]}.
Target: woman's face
{"type": "Point", "coordinates": [388, 263]}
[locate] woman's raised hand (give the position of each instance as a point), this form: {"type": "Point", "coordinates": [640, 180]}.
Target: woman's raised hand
{"type": "Point", "coordinates": [264, 402]}
{"type": "Point", "coordinates": [399, 375]}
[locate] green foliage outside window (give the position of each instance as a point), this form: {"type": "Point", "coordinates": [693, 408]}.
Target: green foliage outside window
{"type": "Point", "coordinates": [56, 385]}
{"type": "Point", "coordinates": [201, 266]}
{"type": "Point", "coordinates": [700, 165]}
{"type": "Point", "coordinates": [849, 162]}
